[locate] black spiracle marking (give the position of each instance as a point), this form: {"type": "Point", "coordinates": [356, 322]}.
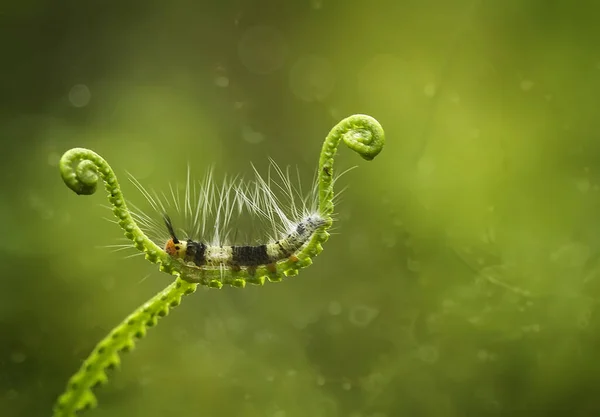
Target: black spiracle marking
{"type": "Point", "coordinates": [282, 250]}
{"type": "Point", "coordinates": [301, 228]}
{"type": "Point", "coordinates": [195, 252]}
{"type": "Point", "coordinates": [249, 255]}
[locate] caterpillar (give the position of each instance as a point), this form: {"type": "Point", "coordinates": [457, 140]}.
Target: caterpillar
{"type": "Point", "coordinates": [238, 257]}
{"type": "Point", "coordinates": [205, 244]}
{"type": "Point", "coordinates": [200, 261]}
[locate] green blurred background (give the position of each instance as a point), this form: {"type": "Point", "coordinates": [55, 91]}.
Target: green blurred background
{"type": "Point", "coordinates": [465, 277]}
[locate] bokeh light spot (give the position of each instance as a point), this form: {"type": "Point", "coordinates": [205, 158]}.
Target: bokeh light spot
{"type": "Point", "coordinates": [80, 95]}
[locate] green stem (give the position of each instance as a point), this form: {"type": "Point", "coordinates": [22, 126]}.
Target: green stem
{"type": "Point", "coordinates": [78, 395]}
{"type": "Point", "coordinates": [81, 170]}
{"type": "Point", "coordinates": [364, 135]}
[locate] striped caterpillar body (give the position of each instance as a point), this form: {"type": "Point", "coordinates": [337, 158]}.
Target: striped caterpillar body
{"type": "Point", "coordinates": [252, 263]}
{"type": "Point", "coordinates": [238, 257]}
{"type": "Point", "coordinates": [203, 248]}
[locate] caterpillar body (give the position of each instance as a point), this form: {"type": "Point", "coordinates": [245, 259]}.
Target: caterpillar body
{"type": "Point", "coordinates": [243, 256]}
{"type": "Point", "coordinates": [209, 209]}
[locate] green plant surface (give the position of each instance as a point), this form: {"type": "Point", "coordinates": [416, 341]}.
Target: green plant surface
{"type": "Point", "coordinates": [82, 169]}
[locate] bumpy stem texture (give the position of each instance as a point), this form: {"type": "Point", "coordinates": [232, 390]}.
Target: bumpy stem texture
{"type": "Point", "coordinates": [365, 136]}
{"type": "Point", "coordinates": [78, 395]}
{"type": "Point", "coordinates": [82, 169]}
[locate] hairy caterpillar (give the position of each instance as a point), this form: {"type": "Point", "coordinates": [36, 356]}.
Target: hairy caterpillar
{"type": "Point", "coordinates": [205, 244]}
{"type": "Point", "coordinates": [198, 261]}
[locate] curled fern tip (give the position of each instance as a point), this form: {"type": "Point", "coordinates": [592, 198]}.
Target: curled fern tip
{"type": "Point", "coordinates": [200, 262]}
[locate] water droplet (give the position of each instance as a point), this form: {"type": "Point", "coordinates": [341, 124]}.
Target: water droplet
{"type": "Point", "coordinates": [335, 308]}
{"type": "Point", "coordinates": [18, 357]}
{"type": "Point", "coordinates": [583, 321]}
{"type": "Point", "coordinates": [39, 205]}
{"type": "Point", "coordinates": [583, 185]}
{"type": "Point", "coordinates": [335, 113]}
{"type": "Point", "coordinates": [145, 381]}
{"type": "Point", "coordinates": [263, 337]}
{"type": "Point", "coordinates": [320, 381]}
{"type": "Point", "coordinates": [11, 394]}
{"type": "Point", "coordinates": [428, 354]}
{"type": "Point", "coordinates": [526, 85]}
{"type": "Point", "coordinates": [430, 90]}
{"type": "Point", "coordinates": [221, 81]}
{"type": "Point", "coordinates": [234, 324]}
{"type": "Point", "coordinates": [80, 95]}
{"type": "Point", "coordinates": [374, 382]}
{"type": "Point", "coordinates": [413, 265]}
{"type": "Point", "coordinates": [362, 315]}
{"type": "Point", "coordinates": [482, 355]}
{"type": "Point", "coordinates": [532, 328]}
{"type": "Point", "coordinates": [571, 255]}
{"type": "Point", "coordinates": [252, 136]}
{"type": "Point", "coordinates": [316, 4]}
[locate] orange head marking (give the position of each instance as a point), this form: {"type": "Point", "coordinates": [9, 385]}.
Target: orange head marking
{"type": "Point", "coordinates": [174, 247]}
{"type": "Point", "coordinates": [171, 247]}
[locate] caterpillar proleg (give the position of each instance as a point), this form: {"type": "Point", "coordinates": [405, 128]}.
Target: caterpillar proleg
{"type": "Point", "coordinates": [198, 257]}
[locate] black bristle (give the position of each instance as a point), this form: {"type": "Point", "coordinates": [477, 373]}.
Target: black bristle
{"type": "Point", "coordinates": [169, 225]}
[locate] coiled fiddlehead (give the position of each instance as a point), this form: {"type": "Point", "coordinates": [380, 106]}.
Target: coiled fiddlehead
{"type": "Point", "coordinates": [82, 169]}
{"type": "Point", "coordinates": [365, 136]}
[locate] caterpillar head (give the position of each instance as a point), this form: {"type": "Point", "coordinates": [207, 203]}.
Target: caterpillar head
{"type": "Point", "coordinates": [174, 247]}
